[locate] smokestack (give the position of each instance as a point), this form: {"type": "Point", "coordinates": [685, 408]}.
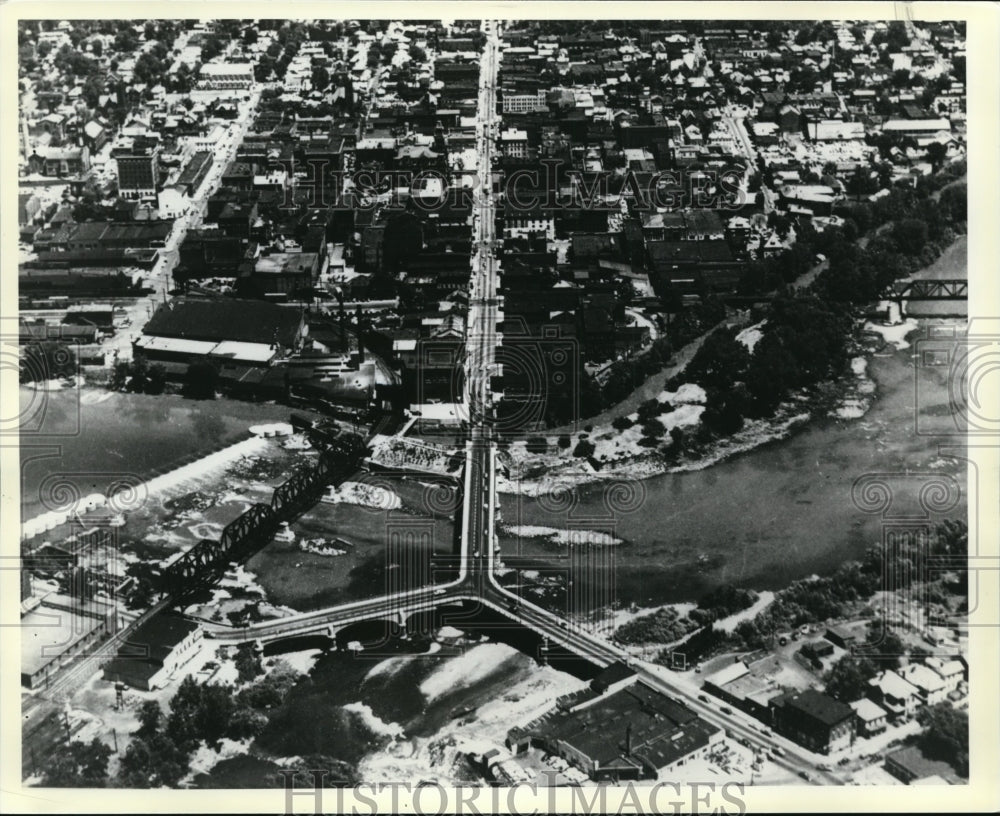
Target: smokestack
{"type": "Point", "coordinates": [628, 740]}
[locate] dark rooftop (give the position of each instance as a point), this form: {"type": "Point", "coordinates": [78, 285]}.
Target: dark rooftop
{"type": "Point", "coordinates": [246, 321]}
{"type": "Point", "coordinates": [914, 765]}
{"type": "Point", "coordinates": [662, 730]}
{"type": "Point", "coordinates": [820, 707]}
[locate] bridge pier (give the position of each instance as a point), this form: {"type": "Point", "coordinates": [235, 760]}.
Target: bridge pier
{"type": "Point", "coordinates": [543, 652]}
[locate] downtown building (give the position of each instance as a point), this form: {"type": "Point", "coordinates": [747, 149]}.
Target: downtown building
{"type": "Point", "coordinates": [139, 171]}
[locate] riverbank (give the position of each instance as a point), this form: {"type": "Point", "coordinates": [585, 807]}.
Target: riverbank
{"type": "Point", "coordinates": [620, 454]}
{"type": "Point", "coordinates": [782, 509]}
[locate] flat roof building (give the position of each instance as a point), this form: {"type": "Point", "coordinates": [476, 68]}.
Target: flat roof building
{"type": "Point", "coordinates": [628, 731]}
{"type": "Point", "coordinates": [225, 76]}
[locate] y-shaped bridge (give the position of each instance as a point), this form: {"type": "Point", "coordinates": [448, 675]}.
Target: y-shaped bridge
{"type": "Point", "coordinates": [476, 583]}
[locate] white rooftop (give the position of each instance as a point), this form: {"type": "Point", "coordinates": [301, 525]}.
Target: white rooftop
{"type": "Point", "coordinates": [250, 352]}
{"type": "Point", "coordinates": [177, 345]}
{"type": "Point", "coordinates": [868, 710]}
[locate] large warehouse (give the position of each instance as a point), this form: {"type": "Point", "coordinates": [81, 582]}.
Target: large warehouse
{"type": "Point", "coordinates": [619, 729]}
{"type": "Point", "coordinates": [226, 331]}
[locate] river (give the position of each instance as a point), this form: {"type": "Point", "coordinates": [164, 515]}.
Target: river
{"type": "Point", "coordinates": [97, 436]}
{"type": "Point", "coordinates": [766, 517]}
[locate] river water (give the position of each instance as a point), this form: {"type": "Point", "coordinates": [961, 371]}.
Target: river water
{"type": "Point", "coordinates": [781, 511]}
{"type": "Point", "coordinates": [776, 513]}
{"type": "Point", "coordinates": [96, 437]}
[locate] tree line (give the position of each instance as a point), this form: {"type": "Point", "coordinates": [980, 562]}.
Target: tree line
{"type": "Point", "coordinates": [843, 593]}
{"type": "Point", "coordinates": [803, 342]}
{"type": "Point", "coordinates": [879, 241]}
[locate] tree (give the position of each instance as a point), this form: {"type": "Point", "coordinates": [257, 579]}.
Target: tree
{"type": "Point", "coordinates": [901, 78]}
{"type": "Point", "coordinates": [883, 647]}
{"type": "Point", "coordinates": [157, 379]}
{"type": "Point", "coordinates": [77, 765]}
{"type": "Point", "coordinates": [155, 762]}
{"type": "Point", "coordinates": [654, 428]}
{"type": "Point", "coordinates": [719, 362]}
{"type": "Point", "coordinates": [537, 445]}
{"type": "Point", "coordinates": [181, 726]}
{"type": "Point", "coordinates": [126, 40]}
{"type": "Point", "coordinates": [248, 663]}
{"type": "Point", "coordinates": [211, 48]}
{"type": "Point", "coordinates": [97, 47]}
{"type": "Point", "coordinates": [583, 449]}
{"type": "Point", "coordinates": [215, 708]}
{"type": "Point", "coordinates": [936, 154]}
{"type": "Point", "coordinates": [946, 736]}
{"type": "Point", "coordinates": [848, 678]}
{"type": "Point", "coordinates": [150, 716]}
{"type": "Point", "coordinates": [621, 423]}
{"type": "Point", "coordinates": [896, 36]}
{"type": "Point", "coordinates": [119, 376]}
{"type": "Point", "coordinates": [910, 235]}
{"type": "Point", "coordinates": [771, 374]}
{"type": "Point", "coordinates": [149, 69]}
{"type": "Point", "coordinates": [320, 78]}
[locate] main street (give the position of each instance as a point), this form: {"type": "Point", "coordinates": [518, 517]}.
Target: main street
{"type": "Point", "coordinates": [476, 583]}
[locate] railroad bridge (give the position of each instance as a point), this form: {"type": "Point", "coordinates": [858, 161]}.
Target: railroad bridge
{"type": "Point", "coordinates": [945, 289]}
{"type": "Point", "coordinates": [254, 527]}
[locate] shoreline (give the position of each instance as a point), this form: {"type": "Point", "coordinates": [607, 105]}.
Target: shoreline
{"type": "Point", "coordinates": [857, 392]}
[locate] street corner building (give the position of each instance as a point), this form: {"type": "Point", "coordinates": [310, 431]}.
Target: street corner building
{"type": "Point", "coordinates": [619, 729]}
{"type": "Point", "coordinates": [814, 720]}
{"type": "Point", "coordinates": [154, 652]}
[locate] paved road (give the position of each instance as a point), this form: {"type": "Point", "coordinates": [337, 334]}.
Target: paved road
{"type": "Point", "coordinates": [477, 580]}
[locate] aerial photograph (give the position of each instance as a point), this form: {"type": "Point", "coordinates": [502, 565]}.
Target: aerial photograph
{"type": "Point", "coordinates": [485, 402]}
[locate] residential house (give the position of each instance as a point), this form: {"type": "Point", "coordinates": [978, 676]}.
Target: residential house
{"type": "Point", "coordinates": [930, 685]}
{"type": "Point", "coordinates": [895, 694]}
{"type": "Point", "coordinates": [872, 718]}
{"type": "Point", "coordinates": [60, 162]}
{"type": "Point", "coordinates": [950, 671]}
